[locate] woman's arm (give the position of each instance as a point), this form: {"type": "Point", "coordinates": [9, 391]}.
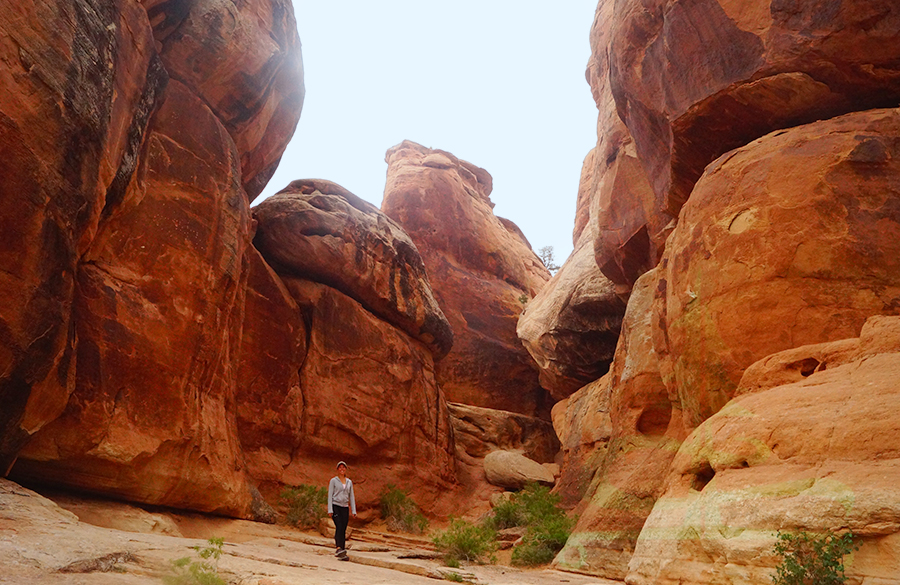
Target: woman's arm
{"type": "Point", "coordinates": [352, 500]}
{"type": "Point", "coordinates": [330, 497]}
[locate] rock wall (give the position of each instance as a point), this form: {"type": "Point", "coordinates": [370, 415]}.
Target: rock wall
{"type": "Point", "coordinates": [481, 268]}
{"type": "Point", "coordinates": [150, 352]}
{"type": "Point", "coordinates": [745, 167]}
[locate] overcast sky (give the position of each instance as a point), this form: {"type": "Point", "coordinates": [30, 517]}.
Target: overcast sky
{"type": "Point", "coordinates": [495, 82]}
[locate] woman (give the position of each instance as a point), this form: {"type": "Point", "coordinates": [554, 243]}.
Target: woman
{"type": "Point", "coordinates": [341, 502]}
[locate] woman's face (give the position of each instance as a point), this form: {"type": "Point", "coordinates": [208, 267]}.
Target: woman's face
{"type": "Point", "coordinates": [342, 470]}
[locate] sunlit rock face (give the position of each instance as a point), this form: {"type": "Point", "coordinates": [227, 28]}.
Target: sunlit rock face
{"type": "Point", "coordinates": [156, 316]}
{"type": "Point", "coordinates": [76, 92]}
{"type": "Point", "coordinates": [243, 60]}
{"type": "Point", "coordinates": [619, 435]}
{"type": "Point", "coordinates": [693, 80]}
{"type": "Point", "coordinates": [743, 195]}
{"type": "Point", "coordinates": [127, 257]}
{"type": "Point", "coordinates": [791, 240]}
{"type": "Point", "coordinates": [482, 270]}
{"type": "Point", "coordinates": [318, 230]}
{"type": "Point", "coordinates": [815, 451]}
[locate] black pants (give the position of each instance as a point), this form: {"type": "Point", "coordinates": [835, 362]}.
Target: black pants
{"type": "Point", "coordinates": [341, 518]}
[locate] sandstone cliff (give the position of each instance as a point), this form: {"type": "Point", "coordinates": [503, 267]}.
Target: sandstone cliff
{"type": "Point", "coordinates": [744, 169]}
{"type": "Point", "coordinates": [482, 270]}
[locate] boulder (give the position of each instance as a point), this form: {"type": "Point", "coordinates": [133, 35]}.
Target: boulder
{"type": "Point", "coordinates": [318, 230]}
{"type": "Point", "coordinates": [571, 327]}
{"type": "Point", "coordinates": [156, 317]}
{"type": "Point", "coordinates": [482, 270]}
{"type": "Point", "coordinates": [817, 454]}
{"type": "Point", "coordinates": [513, 471]}
{"type": "Point", "coordinates": [791, 240]}
{"type": "Point", "coordinates": [480, 431]}
{"type": "Point", "coordinates": [77, 89]}
{"type": "Point", "coordinates": [629, 464]}
{"type": "Point", "coordinates": [243, 59]}
{"type": "Point", "coordinates": [693, 80]}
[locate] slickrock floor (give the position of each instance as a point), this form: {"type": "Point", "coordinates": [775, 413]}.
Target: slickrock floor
{"type": "Point", "coordinates": [76, 541]}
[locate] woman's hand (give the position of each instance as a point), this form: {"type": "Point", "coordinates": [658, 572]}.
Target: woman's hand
{"type": "Point", "coordinates": [330, 514]}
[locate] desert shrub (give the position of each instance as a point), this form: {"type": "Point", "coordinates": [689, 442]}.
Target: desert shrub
{"type": "Point", "coordinates": [205, 571]}
{"type": "Point", "coordinates": [810, 558]}
{"type": "Point", "coordinates": [306, 505]}
{"type": "Point", "coordinates": [464, 541]}
{"type": "Point", "coordinates": [507, 514]}
{"type": "Point", "coordinates": [543, 540]}
{"type": "Point", "coordinates": [548, 527]}
{"type": "Point", "coordinates": [400, 512]}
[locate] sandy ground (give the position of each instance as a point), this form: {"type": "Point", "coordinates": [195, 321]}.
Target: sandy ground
{"type": "Point", "coordinates": [92, 542]}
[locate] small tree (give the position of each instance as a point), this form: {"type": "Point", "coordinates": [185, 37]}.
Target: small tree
{"type": "Point", "coordinates": [810, 559]}
{"type": "Point", "coordinates": [546, 256]}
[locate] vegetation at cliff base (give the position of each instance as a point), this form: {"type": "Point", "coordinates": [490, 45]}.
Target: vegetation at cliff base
{"type": "Point", "coordinates": [812, 558]}
{"type": "Point", "coordinates": [547, 525]}
{"type": "Point", "coordinates": [202, 571]}
{"type": "Point", "coordinates": [465, 541]}
{"type": "Point", "coordinates": [400, 512]}
{"type": "Point", "coordinates": [306, 505]}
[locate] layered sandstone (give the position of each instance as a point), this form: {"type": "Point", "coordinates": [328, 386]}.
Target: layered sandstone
{"type": "Point", "coordinates": [571, 327]}
{"type": "Point", "coordinates": [78, 88]}
{"type": "Point", "coordinates": [156, 318]}
{"type": "Point", "coordinates": [693, 80]}
{"type": "Point", "coordinates": [318, 230]}
{"type": "Point", "coordinates": [482, 270]}
{"type": "Point", "coordinates": [243, 60]}
{"type": "Point", "coordinates": [369, 397]}
{"type": "Point", "coordinates": [791, 240]}
{"type": "Point", "coordinates": [629, 460]}
{"type": "Point", "coordinates": [628, 219]}
{"type": "Point", "coordinates": [816, 454]}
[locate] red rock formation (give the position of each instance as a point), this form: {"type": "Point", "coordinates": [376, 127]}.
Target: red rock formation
{"type": "Point", "coordinates": [318, 230]}
{"type": "Point", "coordinates": [571, 327]}
{"type": "Point", "coordinates": [694, 80]}
{"type": "Point", "coordinates": [479, 268]}
{"type": "Point", "coordinates": [243, 59]}
{"type": "Point", "coordinates": [815, 454]}
{"type": "Point", "coordinates": [628, 219]}
{"type": "Point", "coordinates": [269, 400]}
{"type": "Point", "coordinates": [157, 318]}
{"type": "Point", "coordinates": [791, 240]}
{"type": "Point", "coordinates": [76, 90]}
{"type": "Point", "coordinates": [630, 462]}
{"type": "Point", "coordinates": [369, 397]}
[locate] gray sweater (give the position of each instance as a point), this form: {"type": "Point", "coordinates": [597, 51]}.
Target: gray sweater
{"type": "Point", "coordinates": [341, 495]}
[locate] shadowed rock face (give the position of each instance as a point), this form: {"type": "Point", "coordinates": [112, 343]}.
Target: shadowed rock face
{"type": "Point", "coordinates": [156, 316]}
{"type": "Point", "coordinates": [480, 268]}
{"type": "Point", "coordinates": [77, 88]}
{"type": "Point", "coordinates": [369, 396]}
{"type": "Point", "coordinates": [814, 454]}
{"type": "Point", "coordinates": [571, 327]}
{"type": "Point", "coordinates": [243, 59]}
{"type": "Point", "coordinates": [318, 230]}
{"type": "Point", "coordinates": [791, 240]}
{"type": "Point", "coordinates": [693, 80]}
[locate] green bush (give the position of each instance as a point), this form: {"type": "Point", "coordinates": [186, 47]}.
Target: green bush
{"type": "Point", "coordinates": [507, 514]}
{"type": "Point", "coordinates": [810, 558]}
{"type": "Point", "coordinates": [306, 505]}
{"type": "Point", "coordinates": [464, 541]}
{"type": "Point", "coordinates": [198, 572]}
{"type": "Point", "coordinates": [400, 512]}
{"type": "Point", "coordinates": [547, 526]}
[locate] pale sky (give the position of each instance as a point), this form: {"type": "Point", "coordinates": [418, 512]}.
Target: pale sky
{"type": "Point", "coordinates": [498, 83]}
